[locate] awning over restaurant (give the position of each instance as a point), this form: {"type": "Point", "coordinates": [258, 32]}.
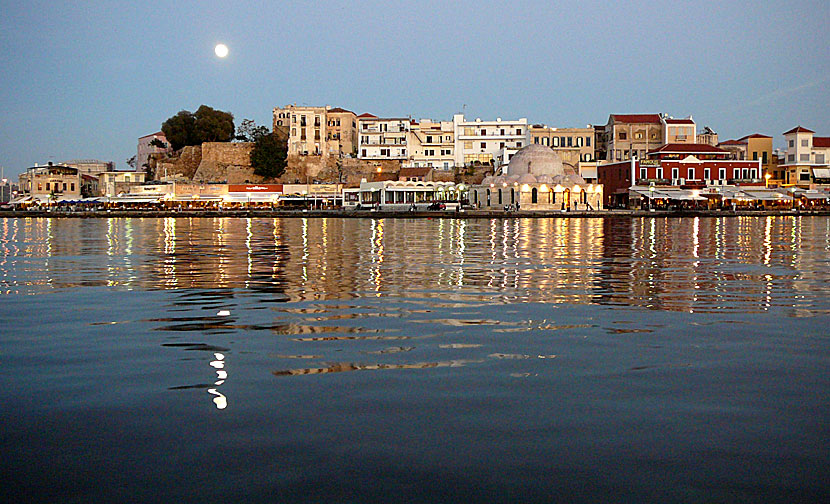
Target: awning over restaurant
{"type": "Point", "coordinates": [196, 197]}
{"type": "Point", "coordinates": [251, 198]}
{"type": "Point", "coordinates": [136, 199]}
{"type": "Point", "coordinates": [822, 173]}
{"type": "Point", "coordinates": [762, 195]}
{"type": "Point", "coordinates": [668, 193]}
{"type": "Point", "coordinates": [21, 199]}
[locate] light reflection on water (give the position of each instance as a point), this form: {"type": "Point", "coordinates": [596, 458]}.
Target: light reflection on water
{"type": "Point", "coordinates": [545, 351]}
{"type": "Point", "coordinates": [688, 264]}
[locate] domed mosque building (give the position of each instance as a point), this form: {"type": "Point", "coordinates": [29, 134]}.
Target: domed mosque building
{"type": "Point", "coordinates": [537, 179]}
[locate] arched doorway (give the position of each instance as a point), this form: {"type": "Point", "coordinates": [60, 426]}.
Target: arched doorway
{"type": "Point", "coordinates": [534, 196]}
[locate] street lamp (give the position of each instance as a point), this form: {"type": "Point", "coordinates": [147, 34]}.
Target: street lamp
{"type": "Point", "coordinates": [651, 196]}
{"type": "Point", "coordinates": [766, 180]}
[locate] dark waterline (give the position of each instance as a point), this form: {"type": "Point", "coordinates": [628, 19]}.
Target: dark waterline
{"type": "Point", "coordinates": [528, 360]}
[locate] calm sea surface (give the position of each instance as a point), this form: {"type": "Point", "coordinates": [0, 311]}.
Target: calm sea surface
{"type": "Point", "coordinates": [346, 360]}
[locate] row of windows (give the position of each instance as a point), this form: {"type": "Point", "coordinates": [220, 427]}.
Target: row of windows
{"type": "Point", "coordinates": [804, 143]}
{"type": "Point", "coordinates": [383, 152]}
{"type": "Point", "coordinates": [563, 141]}
{"type": "Point", "coordinates": [637, 135]}
{"type": "Point", "coordinates": [469, 145]}
{"type": "Point", "coordinates": [55, 186]}
{"type": "Point", "coordinates": [738, 173]}
{"type": "Point", "coordinates": [622, 155]}
{"type": "Point", "coordinates": [494, 131]}
{"type": "Point", "coordinates": [384, 127]}
{"type": "Point", "coordinates": [444, 152]}
{"type": "Point", "coordinates": [365, 139]}
{"type": "Point", "coordinates": [437, 138]}
{"type": "Point", "coordinates": [681, 130]}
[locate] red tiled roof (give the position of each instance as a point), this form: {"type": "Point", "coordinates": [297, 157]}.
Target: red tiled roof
{"type": "Point", "coordinates": [798, 129]}
{"type": "Point", "coordinates": [821, 141]}
{"type": "Point", "coordinates": [338, 109]}
{"type": "Point", "coordinates": [367, 115]}
{"type": "Point", "coordinates": [380, 177]}
{"type": "Point", "coordinates": [732, 142]}
{"type": "Point", "coordinates": [636, 118]}
{"type": "Point", "coordinates": [415, 171]}
{"type": "Point", "coordinates": [679, 121]}
{"type": "Point", "coordinates": [689, 149]}
{"type": "Point", "coordinates": [755, 135]}
{"type": "Point", "coordinates": [158, 133]}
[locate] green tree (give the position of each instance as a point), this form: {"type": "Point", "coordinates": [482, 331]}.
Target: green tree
{"type": "Point", "coordinates": [248, 131]}
{"type": "Point", "coordinates": [268, 156]}
{"type": "Point", "coordinates": [131, 162]}
{"type": "Point", "coordinates": [180, 129]}
{"type": "Point", "coordinates": [213, 125]}
{"type": "Point", "coordinates": [206, 125]}
{"type": "Point", "coordinates": [158, 143]}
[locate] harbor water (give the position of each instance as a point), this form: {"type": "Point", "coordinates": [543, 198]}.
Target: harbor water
{"type": "Point", "coordinates": [415, 360]}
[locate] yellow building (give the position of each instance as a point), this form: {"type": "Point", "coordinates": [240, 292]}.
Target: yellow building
{"type": "Point", "coordinates": [629, 135]}
{"type": "Point", "coordinates": [316, 131]}
{"type": "Point", "coordinates": [806, 153]}
{"type": "Point", "coordinates": [341, 132]}
{"type": "Point", "coordinates": [679, 131]}
{"type": "Point", "coordinates": [52, 182]}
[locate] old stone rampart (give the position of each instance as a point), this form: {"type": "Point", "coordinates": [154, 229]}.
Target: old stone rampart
{"type": "Point", "coordinates": [226, 162]}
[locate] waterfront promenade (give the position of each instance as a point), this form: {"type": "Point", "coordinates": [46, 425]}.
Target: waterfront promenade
{"type": "Point", "coordinates": [420, 214]}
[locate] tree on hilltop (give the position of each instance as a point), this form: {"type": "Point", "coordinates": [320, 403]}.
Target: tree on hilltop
{"type": "Point", "coordinates": [268, 156]}
{"type": "Point", "coordinates": [248, 131]}
{"type": "Point", "coordinates": [206, 125]}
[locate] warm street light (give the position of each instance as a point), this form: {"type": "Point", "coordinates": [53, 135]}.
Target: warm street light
{"type": "Point", "coordinates": [766, 180]}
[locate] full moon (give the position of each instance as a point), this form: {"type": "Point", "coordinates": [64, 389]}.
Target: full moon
{"type": "Point", "coordinates": [221, 50]}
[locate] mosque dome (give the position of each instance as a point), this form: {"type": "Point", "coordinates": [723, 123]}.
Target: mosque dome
{"type": "Point", "coordinates": [527, 178]}
{"type": "Point", "coordinates": [539, 160]}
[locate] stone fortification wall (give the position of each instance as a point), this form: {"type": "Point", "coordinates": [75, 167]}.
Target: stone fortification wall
{"type": "Point", "coordinates": [322, 169]}
{"type": "Point", "coordinates": [472, 175]}
{"type": "Point", "coordinates": [184, 165]}
{"type": "Point", "coordinates": [231, 163]}
{"type": "Point", "coordinates": [226, 162]}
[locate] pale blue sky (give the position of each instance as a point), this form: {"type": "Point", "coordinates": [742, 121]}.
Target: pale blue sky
{"type": "Point", "coordinates": [86, 79]}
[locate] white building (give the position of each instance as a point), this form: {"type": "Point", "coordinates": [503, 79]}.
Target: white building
{"type": "Point", "coordinates": [480, 141]}
{"type": "Point", "coordinates": [432, 144]}
{"type": "Point", "coordinates": [382, 138]}
{"type": "Point", "coordinates": [394, 195]}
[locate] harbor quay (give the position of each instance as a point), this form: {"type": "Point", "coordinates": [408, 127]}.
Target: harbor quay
{"type": "Point", "coordinates": [463, 213]}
